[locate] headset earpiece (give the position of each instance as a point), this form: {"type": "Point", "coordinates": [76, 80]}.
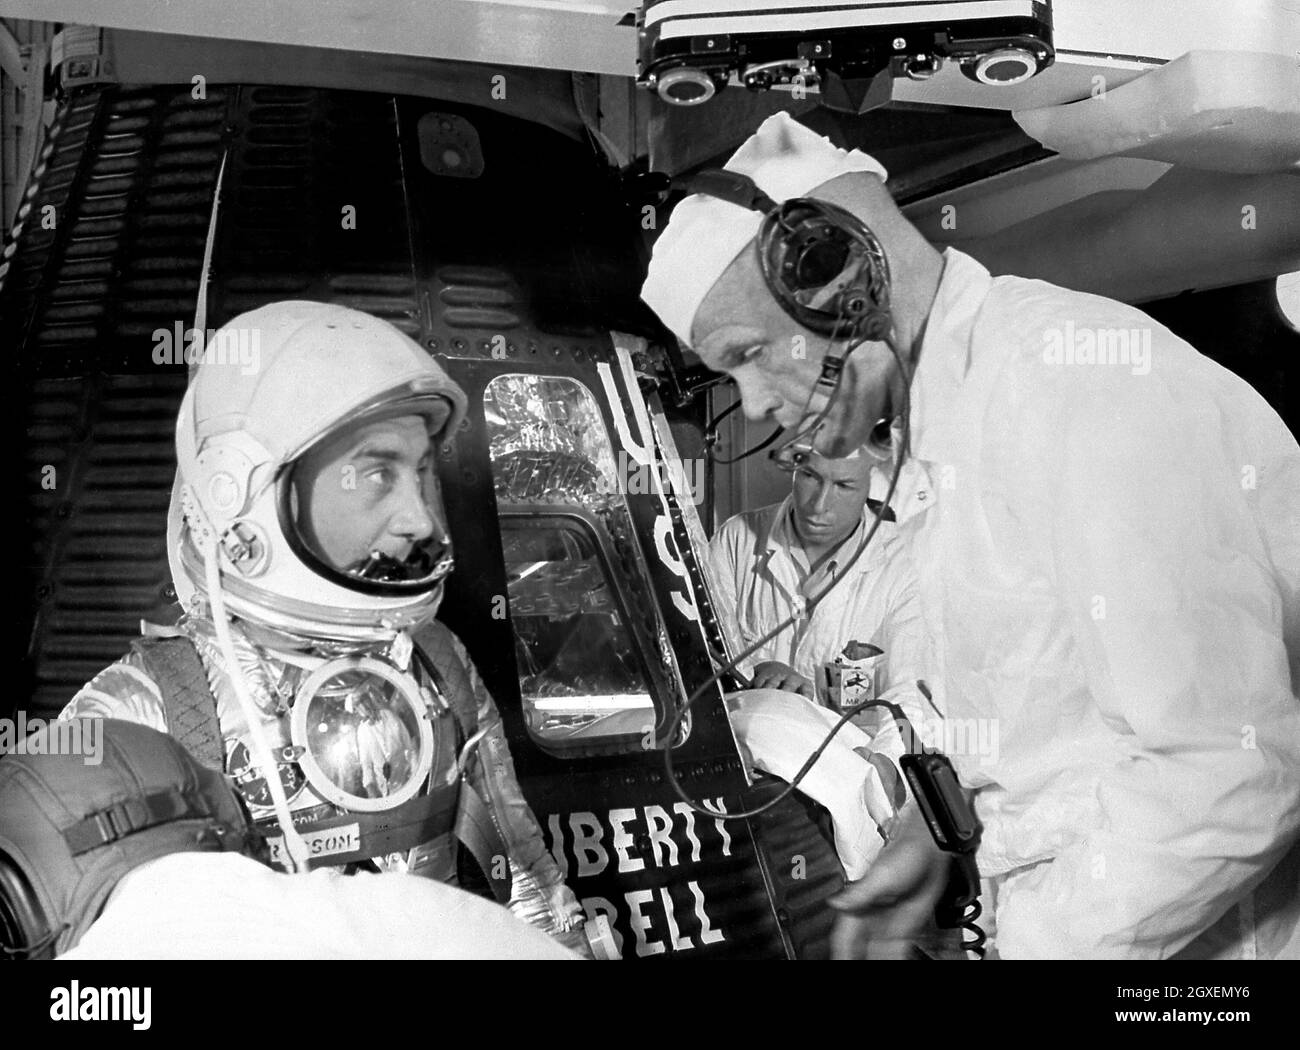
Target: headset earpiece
{"type": "Point", "coordinates": [820, 261]}
{"type": "Point", "coordinates": [826, 269]}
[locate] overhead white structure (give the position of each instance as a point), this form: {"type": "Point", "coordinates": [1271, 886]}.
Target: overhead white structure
{"type": "Point", "coordinates": [1114, 39]}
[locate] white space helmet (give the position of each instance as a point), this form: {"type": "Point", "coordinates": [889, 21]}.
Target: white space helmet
{"type": "Point", "coordinates": [271, 386]}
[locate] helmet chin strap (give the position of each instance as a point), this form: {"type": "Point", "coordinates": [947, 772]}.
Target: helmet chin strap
{"type": "Point", "coordinates": [296, 851]}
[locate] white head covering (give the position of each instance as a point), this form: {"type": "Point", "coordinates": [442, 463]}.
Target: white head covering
{"type": "Point", "coordinates": [705, 234]}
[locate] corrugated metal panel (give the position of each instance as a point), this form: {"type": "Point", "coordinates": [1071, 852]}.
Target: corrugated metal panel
{"type": "Point", "coordinates": [129, 175]}
{"type": "Point", "coordinates": [314, 206]}
{"type": "Point", "coordinates": [109, 252]}
{"type": "Point", "coordinates": [97, 554]}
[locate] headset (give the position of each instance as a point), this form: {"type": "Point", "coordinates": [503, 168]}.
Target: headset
{"type": "Point", "coordinates": [829, 272]}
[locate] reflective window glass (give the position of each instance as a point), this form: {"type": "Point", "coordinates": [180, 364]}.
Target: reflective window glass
{"type": "Point", "coordinates": [584, 637]}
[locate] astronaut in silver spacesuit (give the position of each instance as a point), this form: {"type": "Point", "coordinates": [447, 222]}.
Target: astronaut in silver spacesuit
{"type": "Point", "coordinates": [308, 546]}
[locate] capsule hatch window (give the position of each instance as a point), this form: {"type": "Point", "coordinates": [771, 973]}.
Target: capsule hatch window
{"type": "Point", "coordinates": [583, 617]}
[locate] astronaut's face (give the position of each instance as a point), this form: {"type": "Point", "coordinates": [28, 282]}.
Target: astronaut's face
{"type": "Point", "coordinates": [370, 489]}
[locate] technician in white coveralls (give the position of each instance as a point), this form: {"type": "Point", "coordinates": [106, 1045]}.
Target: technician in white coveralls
{"type": "Point", "coordinates": [1109, 565]}
{"type": "Point", "coordinates": [765, 564]}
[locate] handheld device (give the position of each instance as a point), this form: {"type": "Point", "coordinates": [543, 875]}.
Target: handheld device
{"type": "Point", "coordinates": [955, 829]}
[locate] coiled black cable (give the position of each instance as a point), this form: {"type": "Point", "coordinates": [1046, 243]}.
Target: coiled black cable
{"type": "Point", "coordinates": [975, 945]}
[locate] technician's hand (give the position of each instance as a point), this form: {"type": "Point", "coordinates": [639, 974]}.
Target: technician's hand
{"type": "Point", "coordinates": [884, 913]}
{"type": "Point", "coordinates": [776, 675]}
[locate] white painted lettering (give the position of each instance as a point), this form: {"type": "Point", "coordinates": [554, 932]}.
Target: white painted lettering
{"type": "Point", "coordinates": [641, 923]}
{"type": "Point", "coordinates": [618, 818]}
{"type": "Point", "coordinates": [660, 826]}
{"type": "Point", "coordinates": [689, 814]}
{"type": "Point", "coordinates": [679, 943]}
{"type": "Point", "coordinates": [590, 854]}
{"type": "Point", "coordinates": [708, 935]}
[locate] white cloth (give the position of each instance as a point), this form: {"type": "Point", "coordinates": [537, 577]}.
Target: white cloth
{"type": "Point", "coordinates": [1109, 564]}
{"type": "Point", "coordinates": [227, 906]}
{"type": "Point", "coordinates": [781, 730]}
{"type": "Point", "coordinates": [785, 159]}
